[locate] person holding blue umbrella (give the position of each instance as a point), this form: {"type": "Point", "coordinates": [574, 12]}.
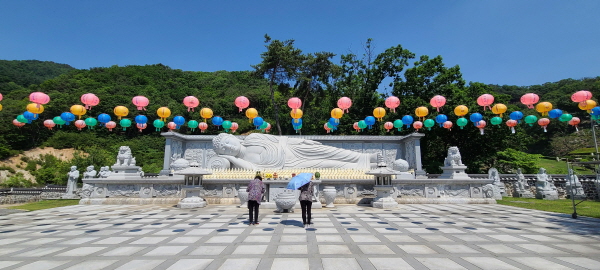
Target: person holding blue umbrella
{"type": "Point", "coordinates": [303, 183]}
{"type": "Point", "coordinates": [255, 189]}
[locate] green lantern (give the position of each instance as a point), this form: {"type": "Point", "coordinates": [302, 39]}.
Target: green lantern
{"type": "Point", "coordinates": [362, 124]}
{"type": "Point", "coordinates": [22, 119]}
{"type": "Point", "coordinates": [91, 122]}
{"type": "Point", "coordinates": [397, 124]}
{"type": "Point", "coordinates": [563, 118]}
{"type": "Point", "coordinates": [429, 123]}
{"type": "Point", "coordinates": [125, 123]}
{"type": "Point", "coordinates": [193, 124]}
{"type": "Point", "coordinates": [227, 125]}
{"type": "Point", "coordinates": [461, 122]}
{"type": "Point", "coordinates": [496, 120]}
{"type": "Point", "coordinates": [531, 119]}
{"type": "Point", "coordinates": [59, 121]}
{"type": "Point", "coordinates": [158, 124]}
{"type": "Point", "coordinates": [264, 125]}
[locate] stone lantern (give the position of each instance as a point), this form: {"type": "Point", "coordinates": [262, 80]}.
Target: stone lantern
{"type": "Point", "coordinates": [192, 186]}
{"type": "Point", "coordinates": [383, 185]}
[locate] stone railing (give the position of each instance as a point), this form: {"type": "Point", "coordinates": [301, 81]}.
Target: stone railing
{"type": "Point", "coordinates": [24, 195]}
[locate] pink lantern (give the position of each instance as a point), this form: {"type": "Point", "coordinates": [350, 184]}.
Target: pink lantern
{"type": "Point", "coordinates": [39, 98]}
{"type": "Point", "coordinates": [481, 125]}
{"type": "Point", "coordinates": [141, 126]}
{"type": "Point", "coordinates": [543, 122]}
{"type": "Point", "coordinates": [203, 126]}
{"type": "Point", "coordinates": [80, 124]}
{"type": "Point", "coordinates": [418, 125]}
{"type": "Point", "coordinates": [242, 102]}
{"type": "Point", "coordinates": [171, 125]}
{"type": "Point", "coordinates": [324, 126]}
{"type": "Point", "coordinates": [49, 124]}
{"type": "Point", "coordinates": [512, 124]}
{"type": "Point", "coordinates": [437, 102]}
{"type": "Point", "coordinates": [234, 127]}
{"type": "Point", "coordinates": [355, 126]}
{"type": "Point", "coordinates": [294, 103]}
{"type": "Point", "coordinates": [17, 123]}
{"type": "Point", "coordinates": [388, 126]}
{"type": "Point", "coordinates": [574, 122]}
{"type": "Point", "coordinates": [344, 103]}
{"type": "Point", "coordinates": [89, 100]}
{"type": "Point", "coordinates": [0, 97]}
{"type": "Point", "coordinates": [581, 96]}
{"type": "Point", "coordinates": [191, 102]}
{"type": "Point", "coordinates": [110, 125]}
{"type": "Point", "coordinates": [140, 102]}
{"type": "Point", "coordinates": [485, 100]}
{"type": "Point", "coordinates": [529, 99]}
{"type": "Point", "coordinates": [392, 102]}
{"type": "Point", "coordinates": [448, 125]}
{"type": "Point", "coordinates": [268, 128]}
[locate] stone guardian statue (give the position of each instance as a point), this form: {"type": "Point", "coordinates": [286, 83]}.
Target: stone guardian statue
{"type": "Point", "coordinates": [521, 188]}
{"type": "Point", "coordinates": [544, 188]}
{"type": "Point", "coordinates": [73, 176]}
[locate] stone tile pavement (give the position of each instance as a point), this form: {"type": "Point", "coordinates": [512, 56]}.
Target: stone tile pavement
{"type": "Point", "coordinates": [345, 237]}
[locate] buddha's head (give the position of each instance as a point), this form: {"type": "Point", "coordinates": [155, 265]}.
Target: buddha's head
{"type": "Point", "coordinates": [227, 144]}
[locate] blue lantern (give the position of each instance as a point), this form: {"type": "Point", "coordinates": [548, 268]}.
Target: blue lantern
{"type": "Point", "coordinates": [370, 120]}
{"type": "Point", "coordinates": [476, 117]}
{"type": "Point", "coordinates": [103, 118]}
{"type": "Point", "coordinates": [555, 113]}
{"type": "Point", "coordinates": [179, 121]}
{"type": "Point", "coordinates": [68, 117]}
{"type": "Point", "coordinates": [142, 119]}
{"type": "Point", "coordinates": [30, 116]}
{"type": "Point", "coordinates": [595, 111]}
{"type": "Point", "coordinates": [217, 120]}
{"type": "Point", "coordinates": [296, 122]}
{"type": "Point", "coordinates": [257, 121]}
{"type": "Point", "coordinates": [440, 119]}
{"type": "Point", "coordinates": [516, 115]}
{"type": "Point", "coordinates": [407, 120]}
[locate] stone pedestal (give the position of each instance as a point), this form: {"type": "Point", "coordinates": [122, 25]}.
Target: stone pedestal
{"type": "Point", "coordinates": [191, 202]}
{"type": "Point", "coordinates": [329, 193]}
{"type": "Point", "coordinates": [384, 198]}
{"type": "Point", "coordinates": [454, 172]}
{"type": "Point", "coordinates": [522, 193]}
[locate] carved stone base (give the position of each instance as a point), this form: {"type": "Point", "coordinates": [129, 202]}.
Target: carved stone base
{"type": "Point", "coordinates": [454, 172]}
{"type": "Point", "coordinates": [134, 201]}
{"type": "Point", "coordinates": [385, 203]}
{"type": "Point", "coordinates": [547, 195]}
{"type": "Point", "coordinates": [191, 202]}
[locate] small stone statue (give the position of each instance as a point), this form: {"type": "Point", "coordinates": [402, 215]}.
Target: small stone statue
{"type": "Point", "coordinates": [140, 172]}
{"type": "Point", "coordinates": [124, 157]}
{"type": "Point", "coordinates": [544, 189]}
{"type": "Point", "coordinates": [574, 186]}
{"type": "Point", "coordinates": [89, 172]}
{"type": "Point", "coordinates": [453, 158]}
{"type": "Point", "coordinates": [104, 172]}
{"type": "Point", "coordinates": [499, 188]}
{"type": "Point", "coordinates": [521, 188]}
{"type": "Point", "coordinates": [73, 176]}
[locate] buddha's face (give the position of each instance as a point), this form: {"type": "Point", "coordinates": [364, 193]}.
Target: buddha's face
{"type": "Point", "coordinates": [230, 146]}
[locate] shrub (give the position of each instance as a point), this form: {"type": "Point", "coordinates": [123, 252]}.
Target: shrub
{"type": "Point", "coordinates": [17, 180]}
{"type": "Point", "coordinates": [6, 168]}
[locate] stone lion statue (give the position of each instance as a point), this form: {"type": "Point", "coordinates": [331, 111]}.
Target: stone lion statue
{"type": "Point", "coordinates": [453, 158]}
{"type": "Point", "coordinates": [124, 157]}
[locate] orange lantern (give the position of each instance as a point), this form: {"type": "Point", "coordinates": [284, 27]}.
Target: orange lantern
{"type": "Point", "coordinates": [461, 110]}
{"type": "Point", "coordinates": [203, 126]}
{"type": "Point", "coordinates": [387, 126]}
{"type": "Point", "coordinates": [543, 122]}
{"type": "Point", "coordinates": [141, 126]}
{"type": "Point", "coordinates": [79, 110]}
{"type": "Point", "coordinates": [171, 125]}
{"type": "Point", "coordinates": [512, 124]}
{"type": "Point", "coordinates": [448, 125]}
{"type": "Point", "coordinates": [481, 125]}
{"type": "Point", "coordinates": [110, 125]}
{"type": "Point", "coordinates": [80, 124]}
{"type": "Point", "coordinates": [326, 127]}
{"type": "Point", "coordinates": [17, 123]}
{"type": "Point", "coordinates": [574, 122]}
{"type": "Point", "coordinates": [543, 107]}
{"type": "Point", "coordinates": [49, 124]}
{"type": "Point", "coordinates": [121, 111]}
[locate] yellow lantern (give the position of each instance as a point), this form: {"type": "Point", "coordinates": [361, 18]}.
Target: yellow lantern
{"type": "Point", "coordinates": [499, 109]}
{"type": "Point", "coordinates": [379, 113]}
{"type": "Point", "coordinates": [35, 108]}
{"type": "Point", "coordinates": [0, 107]}
{"type": "Point", "coordinates": [78, 110]}
{"type": "Point", "coordinates": [337, 113]}
{"type": "Point", "coordinates": [543, 107]}
{"type": "Point", "coordinates": [296, 114]}
{"type": "Point", "coordinates": [121, 111]}
{"type": "Point", "coordinates": [422, 111]}
{"type": "Point", "coordinates": [461, 110]}
{"type": "Point", "coordinates": [587, 105]}
{"type": "Point", "coordinates": [251, 113]}
{"type": "Point", "coordinates": [163, 113]}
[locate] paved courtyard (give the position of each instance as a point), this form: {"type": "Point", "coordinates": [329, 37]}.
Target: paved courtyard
{"type": "Point", "coordinates": [345, 237]}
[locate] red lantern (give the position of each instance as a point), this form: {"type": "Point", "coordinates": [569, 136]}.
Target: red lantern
{"type": "Point", "coordinates": [49, 124]}
{"type": "Point", "coordinates": [268, 128]}
{"type": "Point", "coordinates": [110, 125]}
{"type": "Point", "coordinates": [39, 98]}
{"type": "Point", "coordinates": [512, 124]}
{"type": "Point", "coordinates": [203, 126]}
{"type": "Point", "coordinates": [529, 99]}
{"type": "Point", "coordinates": [141, 126]}
{"type": "Point", "coordinates": [392, 103]}
{"type": "Point", "coordinates": [140, 102]}
{"type": "Point", "coordinates": [89, 100]}
{"type": "Point", "coordinates": [485, 100]}
{"type": "Point", "coordinates": [581, 96]}
{"type": "Point", "coordinates": [326, 127]}
{"type": "Point", "coordinates": [242, 102]}
{"type": "Point", "coordinates": [543, 122]}
{"type": "Point", "coordinates": [481, 125]}
{"type": "Point", "coordinates": [17, 123]}
{"type": "Point", "coordinates": [171, 125]}
{"type": "Point", "coordinates": [294, 103]}
{"type": "Point", "coordinates": [344, 103]}
{"type": "Point", "coordinates": [80, 124]}
{"type": "Point", "coordinates": [191, 102]}
{"type": "Point", "coordinates": [387, 126]}
{"type": "Point", "coordinates": [234, 127]}
{"type": "Point", "coordinates": [448, 125]}
{"type": "Point", "coordinates": [574, 122]}
{"type": "Point", "coordinates": [418, 125]}
{"type": "Point", "coordinates": [355, 126]}
{"type": "Point", "coordinates": [437, 102]}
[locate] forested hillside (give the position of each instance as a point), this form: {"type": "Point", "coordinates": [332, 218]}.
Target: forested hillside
{"type": "Point", "coordinates": [285, 72]}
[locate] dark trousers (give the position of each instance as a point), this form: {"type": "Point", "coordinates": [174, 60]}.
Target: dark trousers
{"type": "Point", "coordinates": [253, 207]}
{"type": "Point", "coordinates": [306, 207]}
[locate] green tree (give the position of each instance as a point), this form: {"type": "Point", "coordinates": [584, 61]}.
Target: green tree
{"type": "Point", "coordinates": [510, 160]}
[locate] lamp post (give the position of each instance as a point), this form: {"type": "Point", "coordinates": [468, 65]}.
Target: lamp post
{"type": "Point", "coordinates": [383, 185]}
{"type": "Point", "coordinates": [192, 186]}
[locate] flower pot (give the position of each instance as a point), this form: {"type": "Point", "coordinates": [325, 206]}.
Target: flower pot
{"type": "Point", "coordinates": [329, 193]}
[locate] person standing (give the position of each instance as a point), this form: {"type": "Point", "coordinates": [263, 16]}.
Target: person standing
{"type": "Point", "coordinates": [306, 195]}
{"type": "Point", "coordinates": [255, 190]}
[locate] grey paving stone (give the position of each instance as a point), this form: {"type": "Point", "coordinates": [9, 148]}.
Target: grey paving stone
{"type": "Point", "coordinates": [539, 263]}
{"type": "Point", "coordinates": [583, 262]}
{"type": "Point", "coordinates": [340, 263]}
{"type": "Point", "coordinates": [290, 264]}
{"type": "Point", "coordinates": [236, 264]}
{"type": "Point", "coordinates": [190, 264]}
{"type": "Point", "coordinates": [93, 265]}
{"type": "Point", "coordinates": [390, 264]}
{"type": "Point", "coordinates": [440, 263]}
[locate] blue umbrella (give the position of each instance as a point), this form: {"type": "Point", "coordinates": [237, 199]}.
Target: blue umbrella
{"type": "Point", "coordinates": [299, 180]}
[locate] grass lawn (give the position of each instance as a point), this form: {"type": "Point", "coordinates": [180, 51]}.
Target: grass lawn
{"type": "Point", "coordinates": [560, 167]}
{"type": "Point", "coordinates": [587, 208]}
{"type": "Point", "coordinates": [45, 204]}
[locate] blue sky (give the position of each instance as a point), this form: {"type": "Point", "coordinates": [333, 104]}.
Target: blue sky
{"type": "Point", "coordinates": [497, 42]}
